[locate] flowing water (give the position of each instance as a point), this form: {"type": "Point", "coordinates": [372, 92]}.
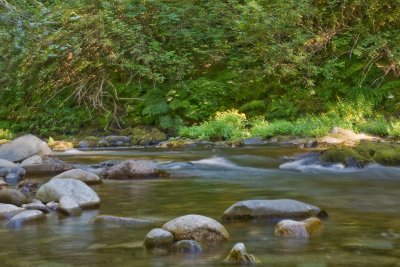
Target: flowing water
{"type": "Point", "coordinates": [362, 205]}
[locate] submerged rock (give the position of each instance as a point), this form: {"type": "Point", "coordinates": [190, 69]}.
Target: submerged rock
{"type": "Point", "coordinates": [187, 246]}
{"type": "Point", "coordinates": [55, 189]}
{"type": "Point", "coordinates": [131, 169]}
{"type": "Point", "coordinates": [271, 209]}
{"type": "Point", "coordinates": [158, 238]}
{"type": "Point", "coordinates": [52, 165]}
{"type": "Point", "coordinates": [81, 175]}
{"type": "Point", "coordinates": [121, 221]}
{"type": "Point", "coordinates": [239, 256]}
{"type": "Point", "coordinates": [8, 210]}
{"type": "Point", "coordinates": [306, 228]}
{"type": "Point", "coordinates": [25, 217]}
{"type": "Point", "coordinates": [24, 147]}
{"type": "Point", "coordinates": [196, 227]}
{"type": "Point", "coordinates": [12, 196]}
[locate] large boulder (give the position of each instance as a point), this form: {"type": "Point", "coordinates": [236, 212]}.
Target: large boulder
{"type": "Point", "coordinates": [196, 227]}
{"type": "Point", "coordinates": [24, 147]}
{"type": "Point", "coordinates": [7, 211]}
{"type": "Point", "coordinates": [239, 256]}
{"type": "Point", "coordinates": [25, 217]}
{"type": "Point", "coordinates": [55, 189]}
{"type": "Point", "coordinates": [81, 175]}
{"type": "Point", "coordinates": [145, 135]}
{"type": "Point", "coordinates": [303, 229]}
{"type": "Point", "coordinates": [271, 209]}
{"type": "Point", "coordinates": [12, 196]}
{"type": "Point", "coordinates": [119, 221]}
{"type": "Point", "coordinates": [69, 206]}
{"type": "Point", "coordinates": [158, 238]}
{"type": "Point", "coordinates": [49, 166]}
{"type": "Point", "coordinates": [131, 169]}
{"type": "Point", "coordinates": [114, 141]}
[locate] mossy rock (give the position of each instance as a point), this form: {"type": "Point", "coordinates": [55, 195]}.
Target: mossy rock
{"type": "Point", "coordinates": [348, 156]}
{"type": "Point", "coordinates": [145, 135]}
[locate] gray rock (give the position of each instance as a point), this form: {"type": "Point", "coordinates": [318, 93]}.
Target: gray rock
{"type": "Point", "coordinates": [121, 221]}
{"type": "Point", "coordinates": [2, 183]}
{"type": "Point", "coordinates": [158, 238]}
{"type": "Point", "coordinates": [303, 229]}
{"type": "Point", "coordinates": [12, 196]}
{"type": "Point", "coordinates": [24, 147]}
{"type": "Point", "coordinates": [15, 175]}
{"type": "Point", "coordinates": [7, 164]}
{"type": "Point", "coordinates": [81, 175]}
{"type": "Point", "coordinates": [48, 166]}
{"type": "Point", "coordinates": [253, 142]}
{"type": "Point", "coordinates": [52, 205]}
{"type": "Point", "coordinates": [36, 206]}
{"type": "Point", "coordinates": [79, 191]}
{"type": "Point", "coordinates": [83, 144]}
{"type": "Point", "coordinates": [7, 211]}
{"type": "Point", "coordinates": [107, 163]}
{"type": "Point", "coordinates": [32, 160]}
{"type": "Point", "coordinates": [131, 169]}
{"type": "Point", "coordinates": [187, 246]}
{"type": "Point", "coordinates": [69, 206]}
{"type": "Point", "coordinates": [196, 227]}
{"type": "Point", "coordinates": [239, 256]}
{"type": "Point", "coordinates": [25, 217]}
{"type": "Point", "coordinates": [114, 140]}
{"type": "Point", "coordinates": [271, 209]}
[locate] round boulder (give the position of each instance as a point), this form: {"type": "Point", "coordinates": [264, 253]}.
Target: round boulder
{"type": "Point", "coordinates": [49, 166]}
{"type": "Point", "coordinates": [81, 175]}
{"type": "Point", "coordinates": [7, 164]}
{"type": "Point", "coordinates": [239, 256]}
{"type": "Point", "coordinates": [12, 196]}
{"type": "Point", "coordinates": [306, 228]}
{"type": "Point", "coordinates": [55, 189]}
{"type": "Point", "coordinates": [24, 147]}
{"type": "Point", "coordinates": [7, 211]}
{"type": "Point", "coordinates": [158, 238]}
{"type": "Point", "coordinates": [131, 169]}
{"type": "Point", "coordinates": [196, 227]}
{"type": "Point", "coordinates": [69, 206]}
{"type": "Point", "coordinates": [271, 209]}
{"type": "Point", "coordinates": [25, 217]}
{"type": "Point", "coordinates": [32, 160]}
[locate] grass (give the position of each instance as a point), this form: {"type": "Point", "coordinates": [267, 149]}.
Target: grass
{"type": "Point", "coordinates": [6, 134]}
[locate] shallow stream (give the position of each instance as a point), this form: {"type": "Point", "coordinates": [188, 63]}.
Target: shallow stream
{"type": "Point", "coordinates": [363, 205]}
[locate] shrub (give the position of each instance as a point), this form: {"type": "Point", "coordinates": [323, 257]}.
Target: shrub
{"type": "Point", "coordinates": [6, 134]}
{"type": "Point", "coordinates": [394, 130]}
{"type": "Point", "coordinates": [378, 126]}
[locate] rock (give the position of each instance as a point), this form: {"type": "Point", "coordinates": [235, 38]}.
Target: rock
{"type": "Point", "coordinates": [7, 211]}
{"type": "Point", "coordinates": [69, 206]}
{"type": "Point", "coordinates": [2, 183]}
{"type": "Point", "coordinates": [131, 169]}
{"type": "Point", "coordinates": [7, 164]}
{"type": "Point", "coordinates": [255, 141]}
{"type": "Point", "coordinates": [145, 135]}
{"type": "Point", "coordinates": [184, 143]}
{"type": "Point", "coordinates": [25, 217]}
{"type": "Point", "coordinates": [196, 227]}
{"type": "Point", "coordinates": [4, 141]}
{"type": "Point", "coordinates": [24, 147]}
{"type": "Point", "coordinates": [52, 205]}
{"type": "Point", "coordinates": [48, 166]}
{"type": "Point", "coordinates": [15, 175]}
{"type": "Point", "coordinates": [121, 221]}
{"type": "Point", "coordinates": [114, 140]}
{"type": "Point", "coordinates": [239, 256]}
{"type": "Point", "coordinates": [83, 144]}
{"type": "Point", "coordinates": [107, 163]}
{"type": "Point", "coordinates": [158, 238]}
{"type": "Point", "coordinates": [79, 191]}
{"type": "Point", "coordinates": [81, 175]}
{"type": "Point", "coordinates": [36, 206]}
{"type": "Point", "coordinates": [306, 228]}
{"type": "Point", "coordinates": [187, 246]}
{"type": "Point", "coordinates": [32, 160]}
{"type": "Point", "coordinates": [271, 209]}
{"type": "Point", "coordinates": [61, 145]}
{"type": "Point", "coordinates": [12, 196]}
{"type": "Point", "coordinates": [28, 186]}
{"type": "Point", "coordinates": [236, 143]}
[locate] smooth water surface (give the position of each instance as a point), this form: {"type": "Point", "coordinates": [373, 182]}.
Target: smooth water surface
{"type": "Point", "coordinates": [362, 204]}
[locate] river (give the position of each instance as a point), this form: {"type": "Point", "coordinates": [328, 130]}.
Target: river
{"type": "Point", "coordinates": [363, 206]}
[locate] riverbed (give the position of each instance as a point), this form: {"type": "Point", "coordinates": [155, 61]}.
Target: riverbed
{"type": "Point", "coordinates": [363, 207]}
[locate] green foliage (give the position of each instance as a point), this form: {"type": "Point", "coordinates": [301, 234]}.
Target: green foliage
{"type": "Point", "coordinates": [6, 134]}
{"type": "Point", "coordinates": [226, 125]}
{"type": "Point", "coordinates": [394, 131]}
{"type": "Point", "coordinates": [378, 126]}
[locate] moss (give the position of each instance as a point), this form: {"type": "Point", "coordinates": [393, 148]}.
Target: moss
{"type": "Point", "coordinates": [344, 155]}
{"type": "Point", "coordinates": [144, 135]}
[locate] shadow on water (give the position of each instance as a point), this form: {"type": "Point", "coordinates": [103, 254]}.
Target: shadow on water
{"type": "Point", "coordinates": [362, 204]}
